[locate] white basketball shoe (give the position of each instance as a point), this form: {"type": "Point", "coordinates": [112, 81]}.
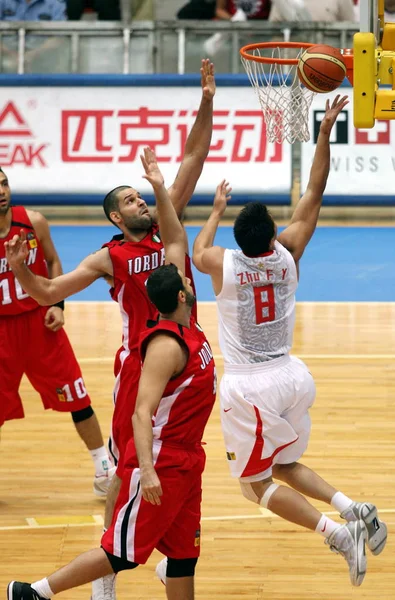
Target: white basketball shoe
{"type": "Point", "coordinates": [160, 570]}
{"type": "Point", "coordinates": [376, 529]}
{"type": "Point", "coordinates": [349, 541]}
{"type": "Point", "coordinates": [101, 483]}
{"type": "Point", "coordinates": [104, 588]}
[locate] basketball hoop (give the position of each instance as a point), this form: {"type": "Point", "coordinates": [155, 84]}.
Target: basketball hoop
{"type": "Point", "coordinates": [285, 102]}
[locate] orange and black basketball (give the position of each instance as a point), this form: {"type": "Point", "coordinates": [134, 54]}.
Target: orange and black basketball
{"type": "Point", "coordinates": [321, 68]}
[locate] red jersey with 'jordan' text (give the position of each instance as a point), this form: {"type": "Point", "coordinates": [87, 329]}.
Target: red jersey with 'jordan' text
{"type": "Point", "coordinates": [13, 299]}
{"type": "Point", "coordinates": [188, 398]}
{"type": "Point", "coordinates": [133, 262]}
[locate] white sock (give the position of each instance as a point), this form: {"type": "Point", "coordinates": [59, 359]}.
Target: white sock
{"type": "Point", "coordinates": [42, 588]}
{"type": "Point", "coordinates": [101, 460]}
{"type": "Point", "coordinates": [340, 502]}
{"type": "Point", "coordinates": [326, 526]}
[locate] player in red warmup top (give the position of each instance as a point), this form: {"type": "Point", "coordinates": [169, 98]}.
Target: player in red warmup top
{"type": "Point", "coordinates": [33, 341]}
{"type": "Point", "coordinates": [159, 502]}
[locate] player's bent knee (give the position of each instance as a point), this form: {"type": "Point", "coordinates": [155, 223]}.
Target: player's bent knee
{"type": "Point", "coordinates": [283, 470]}
{"type": "Point", "coordinates": [119, 564]}
{"type": "Point", "coordinates": [181, 567]}
{"type": "Point", "coordinates": [82, 415]}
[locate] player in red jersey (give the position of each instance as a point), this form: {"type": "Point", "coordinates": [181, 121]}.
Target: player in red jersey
{"type": "Point", "coordinates": [159, 502]}
{"type": "Point", "coordinates": [117, 262]}
{"type": "Point", "coordinates": [33, 341]}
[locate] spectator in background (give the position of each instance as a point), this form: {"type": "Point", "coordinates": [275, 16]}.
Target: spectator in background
{"type": "Point", "coordinates": [252, 9]}
{"type": "Point", "coordinates": [328, 11]}
{"type": "Point", "coordinates": [38, 10]}
{"type": "Point", "coordinates": [198, 9]}
{"type": "Point", "coordinates": [42, 54]}
{"type": "Point", "coordinates": [107, 10]}
{"type": "Point", "coordinates": [235, 10]}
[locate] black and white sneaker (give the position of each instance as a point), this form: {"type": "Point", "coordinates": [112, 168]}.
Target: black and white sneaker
{"type": "Point", "coordinates": [376, 529]}
{"type": "Point", "coordinates": [17, 590]}
{"type": "Point", "coordinates": [349, 541]}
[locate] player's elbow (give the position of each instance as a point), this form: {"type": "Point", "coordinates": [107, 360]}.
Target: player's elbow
{"type": "Point", "coordinates": [197, 260]}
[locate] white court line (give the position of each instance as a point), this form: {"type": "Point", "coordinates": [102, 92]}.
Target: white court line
{"type": "Point", "coordinates": [264, 514]}
{"type": "Point", "coordinates": [110, 359]}
{"type": "Point", "coordinates": [212, 302]}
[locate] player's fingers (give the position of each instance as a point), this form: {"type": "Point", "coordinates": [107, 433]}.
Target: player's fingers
{"type": "Point", "coordinates": [146, 495]}
{"type": "Point", "coordinates": [154, 498]}
{"type": "Point", "coordinates": [22, 235]}
{"type": "Point", "coordinates": [155, 495]}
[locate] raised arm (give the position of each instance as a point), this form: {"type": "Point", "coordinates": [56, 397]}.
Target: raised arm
{"type": "Point", "coordinates": [304, 219]}
{"type": "Point", "coordinates": [197, 145]}
{"type": "Point", "coordinates": [164, 358]}
{"type": "Point", "coordinates": [206, 257]}
{"type": "Point", "coordinates": [49, 291]}
{"type": "Point", "coordinates": [171, 230]}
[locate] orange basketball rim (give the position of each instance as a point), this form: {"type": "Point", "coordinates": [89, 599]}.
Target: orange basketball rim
{"type": "Point", "coordinates": [247, 53]}
{"type": "Point", "coordinates": [285, 102]}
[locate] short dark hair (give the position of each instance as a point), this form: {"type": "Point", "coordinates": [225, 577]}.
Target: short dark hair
{"type": "Point", "coordinates": [111, 201]}
{"type": "Point", "coordinates": [254, 229]}
{"type": "Point", "coordinates": [163, 286]}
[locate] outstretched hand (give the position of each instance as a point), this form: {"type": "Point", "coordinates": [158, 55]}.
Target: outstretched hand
{"type": "Point", "coordinates": [16, 250]}
{"type": "Point", "coordinates": [222, 197]}
{"type": "Point", "coordinates": [152, 171]}
{"type": "Point", "coordinates": [332, 111]}
{"type": "Point", "coordinates": [208, 81]}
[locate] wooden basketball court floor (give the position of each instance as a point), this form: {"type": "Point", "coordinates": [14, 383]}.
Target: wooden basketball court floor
{"type": "Point", "coordinates": [48, 513]}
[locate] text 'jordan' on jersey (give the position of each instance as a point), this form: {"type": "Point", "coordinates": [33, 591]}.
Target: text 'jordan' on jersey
{"type": "Point", "coordinates": [133, 262]}
{"type": "Point", "coordinates": [188, 399]}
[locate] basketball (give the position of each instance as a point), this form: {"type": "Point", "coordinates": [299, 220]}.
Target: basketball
{"type": "Point", "coordinates": [321, 68]}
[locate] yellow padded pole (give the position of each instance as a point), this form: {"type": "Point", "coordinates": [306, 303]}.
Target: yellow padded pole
{"type": "Point", "coordinates": [365, 83]}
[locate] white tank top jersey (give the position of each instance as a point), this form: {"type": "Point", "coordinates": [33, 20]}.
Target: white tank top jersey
{"type": "Point", "coordinates": [256, 306]}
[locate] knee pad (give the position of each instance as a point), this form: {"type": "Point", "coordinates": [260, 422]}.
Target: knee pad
{"type": "Point", "coordinates": [268, 494]}
{"type": "Point", "coordinates": [248, 492]}
{"type": "Point", "coordinates": [82, 415]}
{"type": "Point", "coordinates": [181, 567]}
{"type": "Point", "coordinates": [119, 564]}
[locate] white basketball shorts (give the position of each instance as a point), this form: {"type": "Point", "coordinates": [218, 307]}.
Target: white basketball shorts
{"type": "Point", "coordinates": [264, 414]}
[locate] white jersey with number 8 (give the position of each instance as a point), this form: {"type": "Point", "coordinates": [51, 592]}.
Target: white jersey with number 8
{"type": "Point", "coordinates": [256, 306]}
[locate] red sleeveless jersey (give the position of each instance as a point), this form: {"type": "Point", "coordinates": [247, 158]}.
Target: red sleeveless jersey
{"type": "Point", "coordinates": [13, 300]}
{"type": "Point", "coordinates": [254, 9]}
{"type": "Point", "coordinates": [188, 399]}
{"type": "Point", "coordinates": [133, 262]}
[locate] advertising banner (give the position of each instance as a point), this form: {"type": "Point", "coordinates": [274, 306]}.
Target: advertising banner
{"type": "Point", "coordinates": [76, 140]}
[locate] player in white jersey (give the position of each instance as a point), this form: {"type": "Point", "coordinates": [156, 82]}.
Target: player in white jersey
{"type": "Point", "coordinates": [265, 394]}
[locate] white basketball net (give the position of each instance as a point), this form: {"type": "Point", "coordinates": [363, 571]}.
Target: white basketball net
{"type": "Point", "coordinates": [285, 102]}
